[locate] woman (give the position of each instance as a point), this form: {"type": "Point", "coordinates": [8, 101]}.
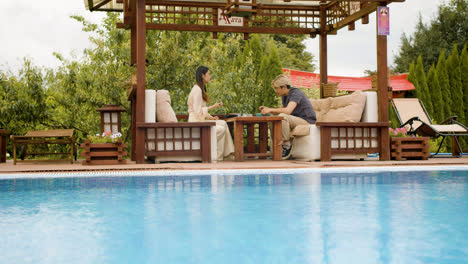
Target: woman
{"type": "Point", "coordinates": [198, 112]}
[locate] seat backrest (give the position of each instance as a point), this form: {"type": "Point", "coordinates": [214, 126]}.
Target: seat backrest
{"type": "Point", "coordinates": [164, 111]}
{"type": "Point", "coordinates": [407, 108]}
{"type": "Point", "coordinates": [347, 108]}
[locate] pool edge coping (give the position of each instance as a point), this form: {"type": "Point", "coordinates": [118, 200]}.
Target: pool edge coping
{"type": "Point", "coordinates": [191, 172]}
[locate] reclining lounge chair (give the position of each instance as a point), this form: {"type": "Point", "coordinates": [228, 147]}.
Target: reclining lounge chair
{"type": "Point", "coordinates": [413, 116]}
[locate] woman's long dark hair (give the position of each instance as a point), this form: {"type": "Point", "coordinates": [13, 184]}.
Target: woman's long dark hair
{"type": "Point", "coordinates": [199, 77]}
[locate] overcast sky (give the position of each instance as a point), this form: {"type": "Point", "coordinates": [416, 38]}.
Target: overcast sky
{"type": "Point", "coordinates": [36, 29]}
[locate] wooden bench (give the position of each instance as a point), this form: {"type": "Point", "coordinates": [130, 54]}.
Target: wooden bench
{"type": "Point", "coordinates": [45, 137]}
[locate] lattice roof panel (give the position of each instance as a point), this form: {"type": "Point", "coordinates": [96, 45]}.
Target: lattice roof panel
{"type": "Point", "coordinates": [246, 16]}
{"type": "Point", "coordinates": [117, 5]}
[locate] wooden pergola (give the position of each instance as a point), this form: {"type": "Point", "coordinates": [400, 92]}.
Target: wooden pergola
{"type": "Point", "coordinates": [309, 17]}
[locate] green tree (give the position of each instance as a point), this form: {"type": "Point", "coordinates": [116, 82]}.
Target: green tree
{"type": "Point", "coordinates": [464, 77]}
{"type": "Point", "coordinates": [23, 105]}
{"type": "Point", "coordinates": [464, 80]}
{"type": "Point", "coordinates": [444, 85]}
{"type": "Point", "coordinates": [78, 88]}
{"type": "Point", "coordinates": [412, 79]}
{"type": "Point", "coordinates": [408, 52]}
{"type": "Point", "coordinates": [436, 94]}
{"type": "Point", "coordinates": [22, 100]}
{"type": "Point", "coordinates": [422, 91]}
{"type": "Point", "coordinates": [255, 45]}
{"type": "Point", "coordinates": [448, 27]}
{"type": "Point", "coordinates": [456, 90]}
{"type": "Point", "coordinates": [233, 84]}
{"type": "Point", "coordinates": [172, 62]}
{"type": "Point", "coordinates": [270, 68]}
{"type": "Point", "coordinates": [292, 52]}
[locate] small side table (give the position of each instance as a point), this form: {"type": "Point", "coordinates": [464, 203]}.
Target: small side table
{"type": "Point", "coordinates": [250, 122]}
{"type": "Point", "coordinates": [3, 140]}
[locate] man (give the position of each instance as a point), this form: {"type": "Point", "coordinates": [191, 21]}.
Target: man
{"type": "Point", "coordinates": [296, 110]}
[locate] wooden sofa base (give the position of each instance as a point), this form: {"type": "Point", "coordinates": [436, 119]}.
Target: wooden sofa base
{"type": "Point", "coordinates": [350, 130]}
{"type": "Point", "coordinates": [205, 139]}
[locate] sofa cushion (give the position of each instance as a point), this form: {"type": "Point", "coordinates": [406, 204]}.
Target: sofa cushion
{"type": "Point", "coordinates": [321, 107]}
{"type": "Point", "coordinates": [164, 111]}
{"type": "Point", "coordinates": [346, 108]}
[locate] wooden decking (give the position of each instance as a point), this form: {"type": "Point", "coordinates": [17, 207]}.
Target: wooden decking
{"type": "Point", "coordinates": [41, 167]}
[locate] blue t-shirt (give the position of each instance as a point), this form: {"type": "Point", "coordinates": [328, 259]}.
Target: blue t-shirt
{"type": "Point", "coordinates": [304, 108]}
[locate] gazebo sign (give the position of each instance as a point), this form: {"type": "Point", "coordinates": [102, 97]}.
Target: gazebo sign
{"type": "Point", "coordinates": [224, 20]}
{"type": "Point", "coordinates": [354, 7]}
{"type": "Point", "coordinates": [383, 14]}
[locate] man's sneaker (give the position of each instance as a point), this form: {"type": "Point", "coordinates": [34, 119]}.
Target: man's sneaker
{"type": "Point", "coordinates": [287, 153]}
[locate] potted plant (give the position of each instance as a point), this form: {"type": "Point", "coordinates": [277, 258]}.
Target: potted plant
{"type": "Point", "coordinates": [104, 149]}
{"type": "Point", "coordinates": [407, 146]}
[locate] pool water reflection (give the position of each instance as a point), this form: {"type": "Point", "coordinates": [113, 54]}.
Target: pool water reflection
{"type": "Point", "coordinates": [391, 217]}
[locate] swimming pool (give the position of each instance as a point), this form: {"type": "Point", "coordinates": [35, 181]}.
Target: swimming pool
{"type": "Point", "coordinates": [315, 216]}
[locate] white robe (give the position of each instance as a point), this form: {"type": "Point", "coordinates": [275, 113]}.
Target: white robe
{"type": "Point", "coordinates": [198, 112]}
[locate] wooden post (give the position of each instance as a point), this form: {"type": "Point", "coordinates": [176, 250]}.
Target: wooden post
{"type": "Point", "coordinates": [382, 91]}
{"type": "Point", "coordinates": [277, 140]}
{"type": "Point", "coordinates": [205, 144]}
{"type": "Point", "coordinates": [133, 63]}
{"type": "Point", "coordinates": [323, 47]}
{"type": "Point", "coordinates": [239, 140]}
{"type": "Point", "coordinates": [325, 139]}
{"type": "Point", "coordinates": [251, 138]}
{"type": "Point", "coordinates": [456, 151]}
{"type": "Point", "coordinates": [3, 142]}
{"type": "Point", "coordinates": [141, 77]}
{"type": "Point", "coordinates": [263, 138]}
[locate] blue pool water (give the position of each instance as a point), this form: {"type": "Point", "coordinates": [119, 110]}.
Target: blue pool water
{"type": "Point", "coordinates": [385, 217]}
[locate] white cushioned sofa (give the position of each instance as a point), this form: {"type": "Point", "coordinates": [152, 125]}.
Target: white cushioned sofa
{"type": "Point", "coordinates": [167, 140]}
{"type": "Point", "coordinates": [347, 128]}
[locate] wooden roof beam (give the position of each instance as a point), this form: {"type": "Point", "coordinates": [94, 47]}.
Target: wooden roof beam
{"type": "Point", "coordinates": [388, 1]}
{"type": "Point", "coordinates": [332, 3]}
{"type": "Point", "coordinates": [259, 30]}
{"type": "Point", "coordinates": [96, 7]}
{"type": "Point", "coordinates": [349, 19]}
{"type": "Point", "coordinates": [128, 9]}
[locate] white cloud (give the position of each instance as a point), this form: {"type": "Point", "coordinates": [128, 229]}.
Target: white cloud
{"type": "Point", "coordinates": [36, 29]}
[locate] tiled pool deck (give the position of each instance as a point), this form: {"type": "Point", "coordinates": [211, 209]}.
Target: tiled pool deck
{"type": "Point", "coordinates": [41, 167]}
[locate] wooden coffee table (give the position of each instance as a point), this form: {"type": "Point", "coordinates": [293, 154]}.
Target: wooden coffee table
{"type": "Point", "coordinates": [238, 124]}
